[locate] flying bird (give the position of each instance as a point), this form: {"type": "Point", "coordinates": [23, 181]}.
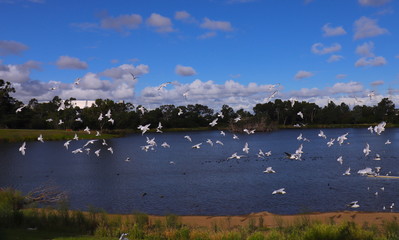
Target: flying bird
{"type": "Point", "coordinates": [279, 191]}
{"type": "Point", "coordinates": [40, 138]}
{"type": "Point", "coordinates": [23, 148]}
{"type": "Point", "coordinates": [269, 170]}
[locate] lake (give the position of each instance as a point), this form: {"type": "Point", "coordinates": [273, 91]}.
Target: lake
{"type": "Point", "coordinates": [186, 181]}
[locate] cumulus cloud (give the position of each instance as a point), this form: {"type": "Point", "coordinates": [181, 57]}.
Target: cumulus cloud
{"type": "Point", "coordinates": [303, 74]}
{"type": "Point", "coordinates": [207, 35]}
{"type": "Point", "coordinates": [366, 27]}
{"type": "Point", "coordinates": [185, 70]}
{"type": "Point", "coordinates": [377, 83]}
{"type": "Point", "coordinates": [122, 22]}
{"type": "Point", "coordinates": [366, 49]}
{"type": "Point", "coordinates": [160, 23]}
{"type": "Point", "coordinates": [373, 3]}
{"type": "Point", "coordinates": [334, 58]}
{"type": "Point", "coordinates": [184, 17]}
{"type": "Point", "coordinates": [350, 87]}
{"type": "Point", "coordinates": [11, 48]}
{"type": "Point", "coordinates": [216, 25]}
{"type": "Point", "coordinates": [66, 62]}
{"type": "Point", "coordinates": [319, 48]}
{"type": "Point", "coordinates": [372, 61]}
{"type": "Point", "coordinates": [332, 31]}
{"type": "Point", "coordinates": [18, 73]}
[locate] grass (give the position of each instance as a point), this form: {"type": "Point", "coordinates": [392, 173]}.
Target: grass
{"type": "Point", "coordinates": [20, 135]}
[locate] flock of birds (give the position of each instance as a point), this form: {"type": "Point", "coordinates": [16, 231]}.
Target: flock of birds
{"type": "Point", "coordinates": [151, 143]}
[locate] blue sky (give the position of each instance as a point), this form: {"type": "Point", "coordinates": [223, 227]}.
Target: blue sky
{"type": "Point", "coordinates": [235, 52]}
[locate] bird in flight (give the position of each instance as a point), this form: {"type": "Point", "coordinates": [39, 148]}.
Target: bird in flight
{"type": "Point", "coordinates": [23, 148]}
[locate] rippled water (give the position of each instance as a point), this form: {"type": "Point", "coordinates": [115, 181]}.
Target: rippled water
{"type": "Point", "coordinates": [202, 181]}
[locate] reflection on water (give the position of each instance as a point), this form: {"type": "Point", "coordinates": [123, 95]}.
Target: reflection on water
{"type": "Point", "coordinates": [202, 181]}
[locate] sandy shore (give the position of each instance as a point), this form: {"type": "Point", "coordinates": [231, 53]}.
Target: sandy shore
{"type": "Point", "coordinates": [274, 220]}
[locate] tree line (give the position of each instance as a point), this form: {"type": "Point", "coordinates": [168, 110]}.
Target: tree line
{"type": "Point", "coordinates": [265, 116]}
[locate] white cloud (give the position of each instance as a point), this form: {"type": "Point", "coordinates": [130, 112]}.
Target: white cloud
{"type": "Point", "coordinates": [303, 74]}
{"type": "Point", "coordinates": [319, 48]}
{"type": "Point", "coordinates": [121, 23]}
{"type": "Point", "coordinates": [66, 62]}
{"type": "Point", "coordinates": [207, 35]}
{"type": "Point", "coordinates": [18, 73]}
{"type": "Point", "coordinates": [11, 48]}
{"type": "Point", "coordinates": [216, 25]}
{"type": "Point", "coordinates": [332, 31]}
{"type": "Point", "coordinates": [185, 70]}
{"type": "Point", "coordinates": [341, 76]}
{"type": "Point", "coordinates": [377, 83]}
{"type": "Point", "coordinates": [367, 27]}
{"type": "Point", "coordinates": [371, 61]}
{"type": "Point", "coordinates": [350, 87]}
{"type": "Point", "coordinates": [162, 24]}
{"type": "Point", "coordinates": [366, 49]}
{"type": "Point", "coordinates": [334, 58]}
{"type": "Point", "coordinates": [184, 17]}
{"type": "Point", "coordinates": [306, 92]}
{"type": "Point", "coordinates": [373, 2]}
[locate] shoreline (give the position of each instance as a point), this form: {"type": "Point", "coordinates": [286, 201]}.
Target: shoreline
{"type": "Point", "coordinates": [271, 220]}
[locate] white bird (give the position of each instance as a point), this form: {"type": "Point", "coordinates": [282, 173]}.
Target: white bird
{"type": "Point", "coordinates": [219, 142]}
{"type": "Point", "coordinates": [222, 133]}
{"type": "Point", "coordinates": [340, 160]}
{"type": "Point", "coordinates": [235, 137]}
{"type": "Point", "coordinates": [97, 152]}
{"type": "Point", "coordinates": [66, 144]}
{"type": "Point", "coordinates": [185, 95]}
{"type": "Point", "coordinates": [197, 146]}
{"type": "Point", "coordinates": [100, 117]}
{"type": "Point", "coordinates": [299, 138]}
{"type": "Point", "coordinates": [321, 134]}
{"type": "Point", "coordinates": [159, 126]}
{"type": "Point", "coordinates": [151, 141]}
{"type": "Point", "coordinates": [76, 137]}
{"type": "Point", "coordinates": [210, 142]}
{"type": "Point", "coordinates": [261, 154]}
{"type": "Point", "coordinates": [377, 157]}
{"type": "Point", "coordinates": [249, 131]}
{"type": "Point", "coordinates": [123, 236]}
{"type": "Point", "coordinates": [238, 118]}
{"type": "Point", "coordinates": [371, 94]}
{"type": "Point", "coordinates": [19, 109]}
{"type": "Point", "coordinates": [220, 114]}
{"type": "Point", "coordinates": [78, 120]}
{"type": "Point", "coordinates": [87, 129]}
{"type": "Point", "coordinates": [214, 122]}
{"type": "Point", "coordinates": [61, 107]}
{"type": "Point", "coordinates": [22, 148]}
{"type": "Point", "coordinates": [163, 85]}
{"type": "Point", "coordinates": [300, 114]}
{"type": "Point", "coordinates": [246, 148]}
{"type": "Point", "coordinates": [77, 81]}
{"type": "Point", "coordinates": [380, 128]}
{"type": "Point", "coordinates": [371, 129]}
{"type": "Point", "coordinates": [127, 159]}
{"type": "Point", "coordinates": [111, 121]}
{"type": "Point", "coordinates": [60, 122]}
{"type": "Point", "coordinates": [111, 150]}
{"type": "Point", "coordinates": [347, 172]}
{"type": "Point", "coordinates": [142, 110]}
{"type": "Point", "coordinates": [49, 120]}
{"type": "Point", "coordinates": [234, 155]}
{"type": "Point", "coordinates": [78, 150]}
{"type": "Point", "coordinates": [269, 170]}
{"type": "Point", "coordinates": [367, 150]}
{"type": "Point", "coordinates": [270, 97]}
{"type": "Point", "coordinates": [292, 100]}
{"type": "Point", "coordinates": [90, 142]}
{"type": "Point", "coordinates": [180, 112]}
{"type": "Point", "coordinates": [40, 138]}
{"type": "Point", "coordinates": [188, 138]}
{"type": "Point", "coordinates": [165, 145]}
{"type": "Point", "coordinates": [392, 206]}
{"type": "Point", "coordinates": [268, 154]}
{"type": "Point", "coordinates": [388, 142]}
{"type": "Point", "coordinates": [342, 138]}
{"type": "Point", "coordinates": [52, 88]}
{"type": "Point", "coordinates": [98, 134]}
{"type": "Point", "coordinates": [144, 129]}
{"type": "Point", "coordinates": [279, 191]}
{"type": "Point", "coordinates": [353, 204]}
{"type": "Point", "coordinates": [87, 150]}
{"type": "Point", "coordinates": [108, 114]}
{"type": "Point", "coordinates": [331, 142]}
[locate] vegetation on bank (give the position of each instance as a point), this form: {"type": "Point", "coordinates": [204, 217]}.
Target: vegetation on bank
{"type": "Point", "coordinates": [59, 223]}
{"type": "Point", "coordinates": [63, 114]}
